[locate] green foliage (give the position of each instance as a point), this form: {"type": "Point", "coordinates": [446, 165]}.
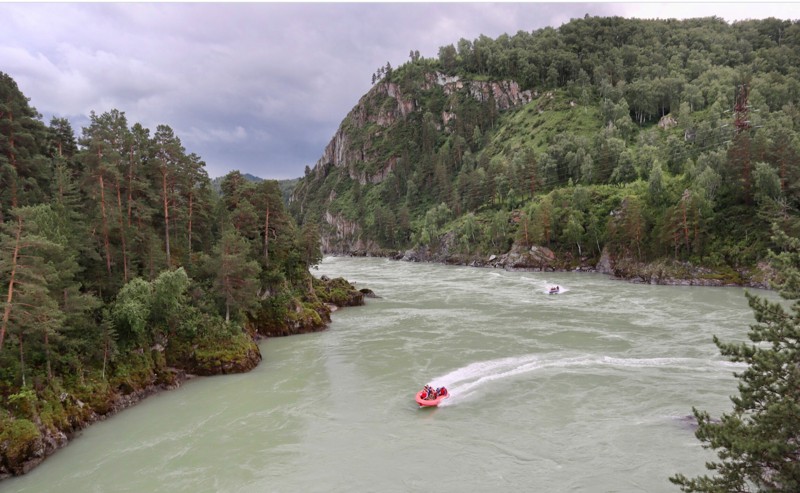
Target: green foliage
{"type": "Point", "coordinates": [19, 437]}
{"type": "Point", "coordinates": [236, 275]}
{"type": "Point", "coordinates": [757, 443]}
{"type": "Point", "coordinates": [133, 372]}
{"type": "Point", "coordinates": [225, 350]}
{"type": "Point", "coordinates": [97, 393]}
{"type": "Point", "coordinates": [273, 312]}
{"type": "Point", "coordinates": [338, 291]}
{"type": "Point", "coordinates": [118, 264]}
{"type": "Point", "coordinates": [23, 402]}
{"type": "Point", "coordinates": [131, 312]}
{"type": "Point", "coordinates": [594, 118]}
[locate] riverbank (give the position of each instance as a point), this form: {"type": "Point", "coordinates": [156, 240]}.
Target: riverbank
{"type": "Point", "coordinates": [583, 377]}
{"type": "Point", "coordinates": [46, 416]}
{"type": "Point", "coordinates": [664, 271]}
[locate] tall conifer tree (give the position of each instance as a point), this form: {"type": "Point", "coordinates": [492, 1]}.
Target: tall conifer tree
{"type": "Point", "coordinates": [758, 443]}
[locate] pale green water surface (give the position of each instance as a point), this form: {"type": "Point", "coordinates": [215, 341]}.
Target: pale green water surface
{"type": "Point", "coordinates": [582, 391]}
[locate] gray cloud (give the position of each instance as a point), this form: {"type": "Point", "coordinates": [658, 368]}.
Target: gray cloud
{"type": "Point", "coordinates": [259, 87]}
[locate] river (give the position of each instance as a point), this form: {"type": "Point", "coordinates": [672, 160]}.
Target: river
{"type": "Point", "coordinates": [584, 391]}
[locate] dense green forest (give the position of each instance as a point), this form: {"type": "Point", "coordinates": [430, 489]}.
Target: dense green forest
{"type": "Point", "coordinates": [121, 270]}
{"type": "Point", "coordinates": [643, 141]}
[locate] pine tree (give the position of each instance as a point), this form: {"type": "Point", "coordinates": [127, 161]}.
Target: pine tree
{"type": "Point", "coordinates": [195, 183]}
{"type": "Point", "coordinates": [99, 159]}
{"type": "Point", "coordinates": [28, 308]}
{"type": "Point", "coordinates": [758, 443]}
{"type": "Point", "coordinates": [62, 138]}
{"type": "Point", "coordinates": [24, 173]}
{"type": "Point", "coordinates": [169, 155]}
{"type": "Point", "coordinates": [236, 275]}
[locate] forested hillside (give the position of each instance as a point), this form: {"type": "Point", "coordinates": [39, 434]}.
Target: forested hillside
{"type": "Point", "coordinates": [121, 271]}
{"type": "Point", "coordinates": [629, 143]}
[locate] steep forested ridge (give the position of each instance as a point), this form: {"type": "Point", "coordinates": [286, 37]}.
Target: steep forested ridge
{"type": "Point", "coordinates": [121, 271]}
{"type": "Point", "coordinates": [655, 148]}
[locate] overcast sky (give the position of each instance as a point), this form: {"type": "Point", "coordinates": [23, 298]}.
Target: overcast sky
{"type": "Point", "coordinates": [259, 87]}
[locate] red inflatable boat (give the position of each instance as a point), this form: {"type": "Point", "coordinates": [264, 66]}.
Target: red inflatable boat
{"type": "Point", "coordinates": [424, 400]}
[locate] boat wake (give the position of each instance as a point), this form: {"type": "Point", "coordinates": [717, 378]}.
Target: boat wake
{"type": "Point", "coordinates": [469, 380]}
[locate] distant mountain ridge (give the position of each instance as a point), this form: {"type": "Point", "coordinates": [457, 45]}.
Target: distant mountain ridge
{"type": "Point", "coordinates": [286, 186]}
{"type": "Point", "coordinates": [215, 183]}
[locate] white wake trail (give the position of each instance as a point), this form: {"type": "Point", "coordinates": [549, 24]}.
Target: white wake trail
{"type": "Point", "coordinates": [466, 381]}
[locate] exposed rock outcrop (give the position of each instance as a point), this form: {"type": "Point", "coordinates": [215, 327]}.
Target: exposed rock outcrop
{"type": "Point", "coordinates": [372, 109]}
{"type": "Point", "coordinates": [345, 238]}
{"type": "Point", "coordinates": [506, 94]}
{"type": "Point", "coordinates": [355, 148]}
{"type": "Point", "coordinates": [338, 292]}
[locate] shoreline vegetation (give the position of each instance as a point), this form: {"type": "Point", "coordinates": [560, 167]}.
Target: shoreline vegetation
{"type": "Point", "coordinates": [58, 417]}
{"type": "Point", "coordinates": [125, 271]}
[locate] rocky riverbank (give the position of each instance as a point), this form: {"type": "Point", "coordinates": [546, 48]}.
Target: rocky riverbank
{"type": "Point", "coordinates": [542, 259]}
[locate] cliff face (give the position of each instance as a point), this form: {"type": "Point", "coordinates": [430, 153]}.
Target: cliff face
{"type": "Point", "coordinates": [357, 141]}
{"type": "Point", "coordinates": [345, 236]}
{"type": "Point", "coordinates": [372, 110]}
{"type": "Point", "coordinates": [506, 94]}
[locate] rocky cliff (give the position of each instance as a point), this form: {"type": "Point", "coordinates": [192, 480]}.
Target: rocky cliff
{"type": "Point", "coordinates": [355, 149]}
{"type": "Point", "coordinates": [373, 111]}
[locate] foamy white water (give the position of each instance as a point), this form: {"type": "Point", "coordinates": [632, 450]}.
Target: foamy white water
{"type": "Point", "coordinates": [464, 382]}
{"type": "Point", "coordinates": [585, 391]}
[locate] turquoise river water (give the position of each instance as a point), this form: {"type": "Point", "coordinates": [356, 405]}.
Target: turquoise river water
{"type": "Point", "coordinates": [584, 391]}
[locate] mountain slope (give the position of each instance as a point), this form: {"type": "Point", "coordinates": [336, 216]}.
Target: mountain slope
{"type": "Point", "coordinates": [629, 140]}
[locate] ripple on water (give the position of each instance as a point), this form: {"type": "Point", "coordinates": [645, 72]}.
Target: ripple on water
{"type": "Point", "coordinates": [548, 393]}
